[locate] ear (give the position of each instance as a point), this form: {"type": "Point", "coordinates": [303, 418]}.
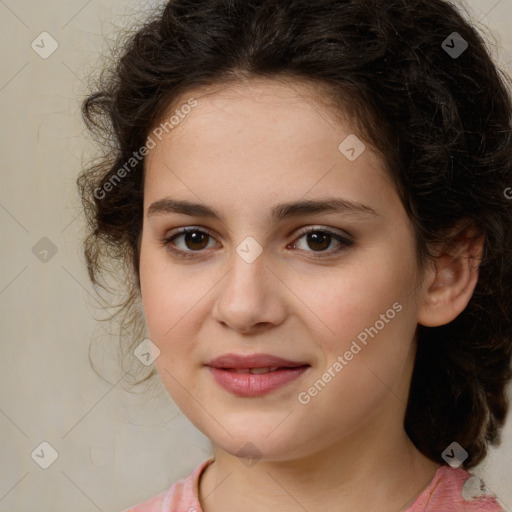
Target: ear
{"type": "Point", "coordinates": [450, 283]}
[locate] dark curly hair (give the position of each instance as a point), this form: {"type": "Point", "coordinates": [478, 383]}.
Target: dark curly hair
{"type": "Point", "coordinates": [441, 121]}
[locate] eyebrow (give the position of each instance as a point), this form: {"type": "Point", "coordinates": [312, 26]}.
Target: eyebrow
{"type": "Point", "coordinates": [278, 212]}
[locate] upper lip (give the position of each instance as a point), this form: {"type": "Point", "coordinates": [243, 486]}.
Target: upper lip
{"type": "Point", "coordinates": [242, 362]}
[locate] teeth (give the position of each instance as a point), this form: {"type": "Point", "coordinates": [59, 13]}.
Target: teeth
{"type": "Point", "coordinates": [264, 370]}
{"type": "Point", "coordinates": [257, 371]}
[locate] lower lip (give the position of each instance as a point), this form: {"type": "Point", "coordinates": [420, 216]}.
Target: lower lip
{"type": "Point", "coordinates": [252, 384]}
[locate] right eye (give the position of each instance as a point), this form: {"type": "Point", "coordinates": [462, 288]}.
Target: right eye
{"type": "Point", "coordinates": [193, 239]}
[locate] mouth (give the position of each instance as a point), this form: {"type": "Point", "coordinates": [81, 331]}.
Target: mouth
{"type": "Point", "coordinates": [256, 380]}
{"type": "Point", "coordinates": [256, 375]}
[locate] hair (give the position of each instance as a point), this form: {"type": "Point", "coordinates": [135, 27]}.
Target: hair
{"type": "Point", "coordinates": [442, 124]}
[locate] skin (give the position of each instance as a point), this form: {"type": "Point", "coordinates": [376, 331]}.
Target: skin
{"type": "Point", "coordinates": [243, 149]}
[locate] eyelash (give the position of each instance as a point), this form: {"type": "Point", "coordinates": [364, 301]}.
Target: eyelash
{"type": "Point", "coordinates": [346, 243]}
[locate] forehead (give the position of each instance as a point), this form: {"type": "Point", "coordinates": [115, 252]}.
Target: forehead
{"type": "Point", "coordinates": [262, 139]}
{"type": "Point", "coordinates": [279, 112]}
{"type": "Point", "coordinates": [294, 91]}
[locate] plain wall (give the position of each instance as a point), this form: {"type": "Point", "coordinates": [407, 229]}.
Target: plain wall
{"type": "Point", "coordinates": [114, 449]}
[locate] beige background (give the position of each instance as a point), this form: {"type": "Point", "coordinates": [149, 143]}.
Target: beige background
{"type": "Point", "coordinates": [114, 449]}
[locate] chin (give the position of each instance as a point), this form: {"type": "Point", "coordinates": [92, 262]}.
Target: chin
{"type": "Point", "coordinates": [254, 446]}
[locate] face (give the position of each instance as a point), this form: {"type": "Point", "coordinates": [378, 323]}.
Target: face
{"type": "Point", "coordinates": [334, 289]}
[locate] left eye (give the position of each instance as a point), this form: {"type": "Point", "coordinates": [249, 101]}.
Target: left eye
{"type": "Point", "coordinates": [195, 240]}
{"type": "Point", "coordinates": [322, 239]}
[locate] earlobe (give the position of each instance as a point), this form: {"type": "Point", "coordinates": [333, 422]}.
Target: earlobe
{"type": "Point", "coordinates": [452, 280]}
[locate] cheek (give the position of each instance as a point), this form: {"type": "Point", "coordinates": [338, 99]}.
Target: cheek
{"type": "Point", "coordinates": [371, 320]}
{"type": "Point", "coordinates": [375, 325]}
{"type": "Point", "coordinates": [349, 299]}
{"type": "Point", "coordinates": [170, 322]}
{"type": "Point", "coordinates": [156, 299]}
{"type": "Point", "coordinates": [163, 295]}
{"type": "Point", "coordinates": [172, 301]}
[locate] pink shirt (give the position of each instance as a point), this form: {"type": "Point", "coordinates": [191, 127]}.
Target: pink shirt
{"type": "Point", "coordinates": [444, 494]}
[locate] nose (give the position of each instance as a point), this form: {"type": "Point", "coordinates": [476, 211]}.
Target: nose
{"type": "Point", "coordinates": [251, 297]}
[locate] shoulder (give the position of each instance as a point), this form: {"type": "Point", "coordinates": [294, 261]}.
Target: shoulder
{"type": "Point", "coordinates": [454, 490]}
{"type": "Point", "coordinates": [183, 495]}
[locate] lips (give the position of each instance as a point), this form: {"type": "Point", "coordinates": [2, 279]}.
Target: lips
{"type": "Point", "coordinates": [254, 375]}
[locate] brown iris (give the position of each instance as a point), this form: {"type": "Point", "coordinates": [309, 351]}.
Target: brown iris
{"type": "Point", "coordinates": [196, 239]}
{"type": "Point", "coordinates": [319, 238]}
